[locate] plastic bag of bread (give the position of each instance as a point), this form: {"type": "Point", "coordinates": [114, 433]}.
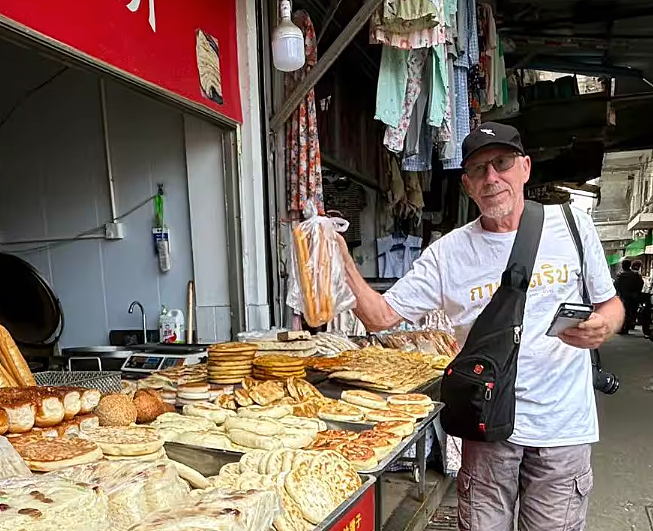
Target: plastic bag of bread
{"type": "Point", "coordinates": [217, 511]}
{"type": "Point", "coordinates": [11, 463]}
{"type": "Point", "coordinates": [318, 285]}
{"type": "Point", "coordinates": [46, 503]}
{"type": "Point", "coordinates": [134, 489]}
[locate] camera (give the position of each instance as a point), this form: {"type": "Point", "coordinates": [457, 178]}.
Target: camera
{"type": "Point", "coordinates": [604, 381]}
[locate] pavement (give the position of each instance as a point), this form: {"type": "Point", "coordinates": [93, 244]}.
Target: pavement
{"type": "Point", "coordinates": [622, 499]}
{"type": "Point", "coordinates": [623, 460]}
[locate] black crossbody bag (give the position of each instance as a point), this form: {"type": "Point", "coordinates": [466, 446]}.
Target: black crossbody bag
{"type": "Point", "coordinates": [478, 386]}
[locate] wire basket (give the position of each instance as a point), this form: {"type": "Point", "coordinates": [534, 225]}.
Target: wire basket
{"type": "Point", "coordinates": [104, 381]}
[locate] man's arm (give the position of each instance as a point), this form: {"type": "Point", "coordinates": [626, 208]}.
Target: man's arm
{"type": "Point", "coordinates": [371, 307]}
{"type": "Point", "coordinates": [607, 319]}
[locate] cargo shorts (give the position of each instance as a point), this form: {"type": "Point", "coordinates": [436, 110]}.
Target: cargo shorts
{"type": "Point", "coordinates": [542, 489]}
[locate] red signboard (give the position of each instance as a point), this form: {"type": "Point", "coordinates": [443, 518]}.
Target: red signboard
{"type": "Point", "coordinates": [360, 517]}
{"type": "Point", "coordinates": [165, 42]}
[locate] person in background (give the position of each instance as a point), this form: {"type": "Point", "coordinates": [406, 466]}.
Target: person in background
{"type": "Point", "coordinates": [629, 286]}
{"type": "Point", "coordinates": [645, 307]}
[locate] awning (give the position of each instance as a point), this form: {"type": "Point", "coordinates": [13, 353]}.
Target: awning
{"type": "Point", "coordinates": [635, 248]}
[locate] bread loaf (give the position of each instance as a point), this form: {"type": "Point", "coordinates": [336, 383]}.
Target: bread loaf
{"type": "Point", "coordinates": [13, 361]}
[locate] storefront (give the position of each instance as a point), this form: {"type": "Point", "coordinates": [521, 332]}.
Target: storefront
{"type": "Point", "coordinates": [102, 103]}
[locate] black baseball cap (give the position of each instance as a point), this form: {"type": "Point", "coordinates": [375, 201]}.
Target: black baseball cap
{"type": "Point", "coordinates": [491, 134]}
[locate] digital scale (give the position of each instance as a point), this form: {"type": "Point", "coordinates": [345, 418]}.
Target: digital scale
{"type": "Point", "coordinates": [160, 357]}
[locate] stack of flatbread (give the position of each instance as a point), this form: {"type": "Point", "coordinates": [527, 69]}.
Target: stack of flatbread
{"type": "Point", "coordinates": [387, 370]}
{"type": "Point", "coordinates": [131, 442]}
{"type": "Point", "coordinates": [310, 484]}
{"type": "Point", "coordinates": [297, 348]}
{"type": "Point", "coordinates": [46, 454]}
{"type": "Point", "coordinates": [229, 363]}
{"type": "Point", "coordinates": [278, 367]}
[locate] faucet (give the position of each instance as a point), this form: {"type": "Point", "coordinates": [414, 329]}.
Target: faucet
{"type": "Point", "coordinates": [131, 310]}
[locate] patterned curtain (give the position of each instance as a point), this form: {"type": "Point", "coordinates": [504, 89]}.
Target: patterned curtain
{"type": "Point", "coordinates": [303, 160]}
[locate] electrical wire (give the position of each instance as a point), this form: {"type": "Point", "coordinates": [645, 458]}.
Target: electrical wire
{"type": "Point", "coordinates": [29, 94]}
{"type": "Point", "coordinates": [82, 235]}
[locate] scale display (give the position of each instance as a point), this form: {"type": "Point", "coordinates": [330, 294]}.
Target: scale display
{"type": "Point", "coordinates": [145, 363]}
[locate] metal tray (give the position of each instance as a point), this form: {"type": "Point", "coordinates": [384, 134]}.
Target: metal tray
{"type": "Point", "coordinates": [106, 382]}
{"type": "Point", "coordinates": [342, 509]}
{"type": "Point", "coordinates": [207, 461]}
{"type": "Point", "coordinates": [403, 445]}
{"type": "Point", "coordinates": [334, 388]}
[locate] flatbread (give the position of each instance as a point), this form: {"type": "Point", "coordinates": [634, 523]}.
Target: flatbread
{"type": "Point", "coordinates": [338, 473]}
{"type": "Point", "coordinates": [311, 493]}
{"type": "Point", "coordinates": [264, 346]}
{"type": "Point", "coordinates": [47, 454]}
{"type": "Point", "coordinates": [364, 399]}
{"type": "Point", "coordinates": [251, 460]}
{"type": "Point", "coordinates": [267, 427]}
{"type": "Point", "coordinates": [274, 463]}
{"type": "Point", "coordinates": [413, 399]}
{"type": "Point", "coordinates": [360, 456]}
{"type": "Point", "coordinates": [401, 428]}
{"type": "Point", "coordinates": [383, 415]}
{"type": "Point", "coordinates": [192, 476]}
{"type": "Point", "coordinates": [417, 411]}
{"type": "Point", "coordinates": [209, 411]}
{"type": "Point", "coordinates": [279, 361]}
{"type": "Point", "coordinates": [341, 411]}
{"type": "Point", "coordinates": [125, 441]}
{"type": "Point", "coordinates": [296, 441]}
{"type": "Point", "coordinates": [161, 454]}
{"type": "Point", "coordinates": [253, 440]}
{"type": "Point", "coordinates": [273, 412]}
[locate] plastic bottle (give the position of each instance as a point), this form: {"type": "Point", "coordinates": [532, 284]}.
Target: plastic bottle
{"type": "Point", "coordinates": [172, 326]}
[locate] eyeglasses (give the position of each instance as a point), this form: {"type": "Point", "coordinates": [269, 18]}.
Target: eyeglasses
{"type": "Point", "coordinates": [500, 164]}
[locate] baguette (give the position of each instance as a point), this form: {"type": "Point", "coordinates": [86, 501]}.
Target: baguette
{"type": "Point", "coordinates": [324, 280]}
{"type": "Point", "coordinates": [306, 277]}
{"type": "Point", "coordinates": [6, 379]}
{"type": "Point", "coordinates": [13, 360]}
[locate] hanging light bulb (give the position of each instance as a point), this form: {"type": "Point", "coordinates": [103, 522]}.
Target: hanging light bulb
{"type": "Point", "coordinates": [287, 43]}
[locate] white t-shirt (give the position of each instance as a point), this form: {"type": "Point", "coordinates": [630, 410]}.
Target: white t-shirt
{"type": "Point", "coordinates": [460, 272]}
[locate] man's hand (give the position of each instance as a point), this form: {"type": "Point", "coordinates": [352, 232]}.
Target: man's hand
{"type": "Point", "coordinates": [589, 334]}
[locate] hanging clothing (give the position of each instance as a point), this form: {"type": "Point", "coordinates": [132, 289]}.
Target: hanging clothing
{"type": "Point", "coordinates": [406, 16]}
{"type": "Point", "coordinates": [391, 87]}
{"type": "Point", "coordinates": [468, 56]}
{"type": "Point", "coordinates": [303, 159]}
{"type": "Point", "coordinates": [394, 136]}
{"type": "Point", "coordinates": [396, 255]}
{"type": "Point", "coordinates": [425, 30]}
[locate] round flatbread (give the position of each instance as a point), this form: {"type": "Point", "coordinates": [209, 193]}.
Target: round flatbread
{"type": "Point", "coordinates": [288, 458]}
{"type": "Point", "coordinates": [419, 411]}
{"type": "Point", "coordinates": [342, 412]}
{"type": "Point", "coordinates": [291, 518]}
{"type": "Point", "coordinates": [369, 435]}
{"type": "Point", "coordinates": [192, 476]}
{"type": "Point", "coordinates": [302, 456]}
{"type": "Point", "coordinates": [380, 445]}
{"type": "Point", "coordinates": [296, 441]}
{"type": "Point", "coordinates": [232, 348]}
{"type": "Point", "coordinates": [251, 460]}
{"type": "Point", "coordinates": [384, 415]}
{"type": "Point", "coordinates": [253, 440]}
{"type": "Point", "coordinates": [161, 454]}
{"type": "Point", "coordinates": [260, 426]}
{"type": "Point", "coordinates": [274, 464]}
{"type": "Point", "coordinates": [311, 493]}
{"type": "Point", "coordinates": [361, 457]}
{"type": "Point", "coordinates": [48, 454]}
{"type": "Point", "coordinates": [338, 473]}
{"type": "Point", "coordinates": [125, 441]}
{"type": "Point", "coordinates": [400, 428]}
{"type": "Point", "coordinates": [411, 399]}
{"type": "Point", "coordinates": [278, 361]}
{"type": "Point", "coordinates": [365, 399]}
{"type": "Point", "coordinates": [225, 380]}
{"type": "Point", "coordinates": [273, 412]}
{"type": "Point", "coordinates": [209, 411]}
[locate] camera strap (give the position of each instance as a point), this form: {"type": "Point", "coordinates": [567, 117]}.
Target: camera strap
{"type": "Point", "coordinates": [578, 243]}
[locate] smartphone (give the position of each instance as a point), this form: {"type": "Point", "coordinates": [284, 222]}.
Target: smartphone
{"type": "Point", "coordinates": [569, 316]}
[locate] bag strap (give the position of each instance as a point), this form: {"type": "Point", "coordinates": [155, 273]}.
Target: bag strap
{"type": "Point", "coordinates": [527, 241]}
{"type": "Point", "coordinates": [578, 243]}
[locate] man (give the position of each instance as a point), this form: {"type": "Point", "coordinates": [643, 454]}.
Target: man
{"type": "Point", "coordinates": [546, 461]}
{"type": "Point", "coordinates": [629, 286]}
